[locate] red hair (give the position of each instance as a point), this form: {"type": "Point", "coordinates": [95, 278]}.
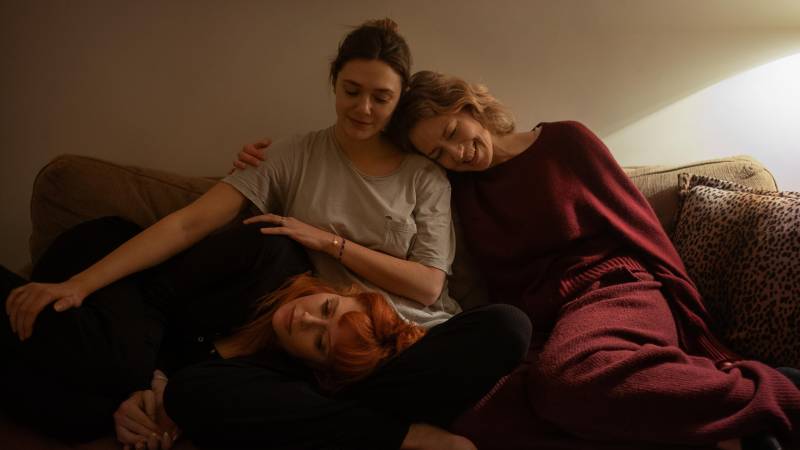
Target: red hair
{"type": "Point", "coordinates": [366, 339]}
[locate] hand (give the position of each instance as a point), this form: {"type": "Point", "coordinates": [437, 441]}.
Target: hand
{"type": "Point", "coordinates": [134, 422]}
{"type": "Point", "coordinates": [250, 155]}
{"type": "Point", "coordinates": [306, 235]}
{"type": "Point", "coordinates": [26, 302]}
{"type": "Point", "coordinates": [142, 422]}
{"type": "Point", "coordinates": [165, 423]}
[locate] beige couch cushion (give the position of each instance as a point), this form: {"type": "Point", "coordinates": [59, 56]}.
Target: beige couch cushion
{"type": "Point", "coordinates": [72, 189]}
{"type": "Point", "coordinates": [660, 183]}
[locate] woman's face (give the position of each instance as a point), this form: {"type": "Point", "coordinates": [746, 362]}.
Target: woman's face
{"type": "Point", "coordinates": [367, 91]}
{"type": "Point", "coordinates": [307, 327]}
{"type": "Point", "coordinates": [456, 141]}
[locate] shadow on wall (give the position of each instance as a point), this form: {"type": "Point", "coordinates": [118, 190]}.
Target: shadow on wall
{"type": "Point", "coordinates": [756, 112]}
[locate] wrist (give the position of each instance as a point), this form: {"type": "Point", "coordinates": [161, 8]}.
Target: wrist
{"type": "Point", "coordinates": [336, 246]}
{"type": "Point", "coordinates": [82, 284]}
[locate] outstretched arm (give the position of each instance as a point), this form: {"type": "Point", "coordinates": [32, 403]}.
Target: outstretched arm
{"type": "Point", "coordinates": [157, 243]}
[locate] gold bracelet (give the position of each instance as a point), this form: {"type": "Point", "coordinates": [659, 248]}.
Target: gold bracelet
{"type": "Point", "coordinates": [335, 241]}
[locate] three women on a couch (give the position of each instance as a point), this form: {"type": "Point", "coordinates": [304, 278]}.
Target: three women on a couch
{"type": "Point", "coordinates": [175, 293]}
{"type": "Point", "coordinates": [622, 349]}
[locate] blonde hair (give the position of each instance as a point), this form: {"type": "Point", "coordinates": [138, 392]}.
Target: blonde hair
{"type": "Point", "coordinates": [431, 94]}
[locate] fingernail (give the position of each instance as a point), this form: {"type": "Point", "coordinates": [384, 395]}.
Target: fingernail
{"type": "Point", "coordinates": [167, 436]}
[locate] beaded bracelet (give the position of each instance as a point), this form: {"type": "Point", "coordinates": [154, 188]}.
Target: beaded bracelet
{"type": "Point", "coordinates": [341, 249]}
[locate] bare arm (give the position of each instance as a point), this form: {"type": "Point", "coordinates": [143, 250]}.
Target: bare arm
{"type": "Point", "coordinates": [410, 279]}
{"type": "Point", "coordinates": [407, 278]}
{"type": "Point", "coordinates": [157, 243]}
{"type": "Point", "coordinates": [167, 237]}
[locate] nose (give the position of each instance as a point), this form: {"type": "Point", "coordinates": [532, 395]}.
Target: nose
{"type": "Point", "coordinates": [364, 104]}
{"type": "Point", "coordinates": [309, 320]}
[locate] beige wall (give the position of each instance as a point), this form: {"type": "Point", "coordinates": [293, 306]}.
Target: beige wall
{"type": "Point", "coordinates": [181, 85]}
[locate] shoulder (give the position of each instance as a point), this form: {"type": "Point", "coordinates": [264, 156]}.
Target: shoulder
{"type": "Point", "coordinates": [298, 145]}
{"type": "Point", "coordinates": [425, 172]}
{"type": "Point", "coordinates": [568, 129]}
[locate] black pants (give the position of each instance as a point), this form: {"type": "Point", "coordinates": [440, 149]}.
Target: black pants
{"type": "Point", "coordinates": [263, 400]}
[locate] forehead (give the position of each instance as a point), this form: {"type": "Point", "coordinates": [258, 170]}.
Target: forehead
{"type": "Point", "coordinates": [370, 73]}
{"type": "Point", "coordinates": [429, 131]}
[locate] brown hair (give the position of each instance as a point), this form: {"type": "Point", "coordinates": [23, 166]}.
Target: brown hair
{"type": "Point", "coordinates": [366, 339]}
{"type": "Point", "coordinates": [432, 94]}
{"type": "Point", "coordinates": [375, 39]}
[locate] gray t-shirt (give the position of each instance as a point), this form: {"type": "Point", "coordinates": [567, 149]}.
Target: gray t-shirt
{"type": "Point", "coordinates": [405, 214]}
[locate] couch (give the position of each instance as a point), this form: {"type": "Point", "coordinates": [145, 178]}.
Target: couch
{"type": "Point", "coordinates": [71, 189]}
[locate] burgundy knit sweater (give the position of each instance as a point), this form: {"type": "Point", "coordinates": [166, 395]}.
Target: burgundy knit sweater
{"type": "Point", "coordinates": [561, 212]}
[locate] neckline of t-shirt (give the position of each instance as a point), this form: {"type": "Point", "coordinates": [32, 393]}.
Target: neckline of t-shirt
{"type": "Point", "coordinates": [343, 155]}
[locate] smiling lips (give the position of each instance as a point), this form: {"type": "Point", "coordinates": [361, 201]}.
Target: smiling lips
{"type": "Point", "coordinates": [360, 123]}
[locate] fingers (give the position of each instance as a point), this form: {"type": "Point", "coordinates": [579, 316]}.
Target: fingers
{"type": "Point", "coordinates": [159, 382]}
{"type": "Point", "coordinates": [25, 303]}
{"type": "Point", "coordinates": [269, 218]}
{"type": "Point", "coordinates": [149, 404]}
{"type": "Point", "coordinates": [128, 437]}
{"type": "Point", "coordinates": [132, 411]}
{"type": "Point", "coordinates": [153, 441]}
{"type": "Point", "coordinates": [132, 426]}
{"type": "Point", "coordinates": [166, 441]}
{"type": "Point", "coordinates": [66, 303]}
{"type": "Point", "coordinates": [262, 144]}
{"type": "Point", "coordinates": [13, 303]}
{"type": "Point", "coordinates": [26, 313]}
{"type": "Point", "coordinates": [273, 230]}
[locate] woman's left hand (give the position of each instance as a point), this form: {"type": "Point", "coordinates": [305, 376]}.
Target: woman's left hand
{"type": "Point", "coordinates": [306, 235]}
{"type": "Point", "coordinates": [26, 302]}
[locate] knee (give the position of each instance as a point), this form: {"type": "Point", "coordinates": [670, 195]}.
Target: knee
{"type": "Point", "coordinates": [568, 389]}
{"type": "Point", "coordinates": [509, 331]}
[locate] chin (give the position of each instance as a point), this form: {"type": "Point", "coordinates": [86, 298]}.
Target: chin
{"type": "Point", "coordinates": [359, 134]}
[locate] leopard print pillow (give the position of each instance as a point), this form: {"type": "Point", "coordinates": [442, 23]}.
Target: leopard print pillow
{"type": "Point", "coordinates": [742, 248]}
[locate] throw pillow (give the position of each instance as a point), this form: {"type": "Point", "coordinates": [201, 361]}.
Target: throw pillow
{"type": "Point", "coordinates": [742, 249]}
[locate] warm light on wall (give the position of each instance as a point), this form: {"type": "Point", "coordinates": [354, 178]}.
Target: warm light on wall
{"type": "Point", "coordinates": [756, 112]}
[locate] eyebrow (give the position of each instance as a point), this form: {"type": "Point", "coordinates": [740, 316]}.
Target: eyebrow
{"type": "Point", "coordinates": [359, 85]}
{"type": "Point", "coordinates": [334, 306]}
